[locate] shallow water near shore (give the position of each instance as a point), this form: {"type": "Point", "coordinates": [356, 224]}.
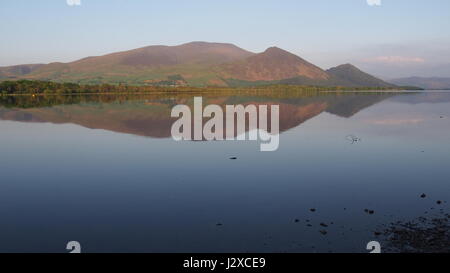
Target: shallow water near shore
{"type": "Point", "coordinates": [106, 172]}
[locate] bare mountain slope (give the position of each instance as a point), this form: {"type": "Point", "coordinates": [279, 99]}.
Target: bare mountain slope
{"type": "Point", "coordinates": [272, 65]}
{"type": "Point", "coordinates": [195, 64]}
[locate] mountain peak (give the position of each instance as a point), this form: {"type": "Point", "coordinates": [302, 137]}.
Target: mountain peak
{"type": "Point", "coordinates": [276, 50]}
{"type": "Point", "coordinates": [207, 44]}
{"type": "Point", "coordinates": [353, 76]}
{"type": "Point", "coordinates": [346, 66]}
{"type": "Point", "coordinates": [272, 65]}
{"type": "Point", "coordinates": [343, 66]}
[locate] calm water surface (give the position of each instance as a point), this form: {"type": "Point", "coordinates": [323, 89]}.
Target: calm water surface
{"type": "Point", "coordinates": [105, 171]}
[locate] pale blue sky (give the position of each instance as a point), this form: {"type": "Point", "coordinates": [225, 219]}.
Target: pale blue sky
{"type": "Point", "coordinates": [398, 38]}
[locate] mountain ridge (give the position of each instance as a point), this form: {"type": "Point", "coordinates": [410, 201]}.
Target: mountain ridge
{"type": "Point", "coordinates": [195, 64]}
{"type": "Point", "coordinates": [272, 65]}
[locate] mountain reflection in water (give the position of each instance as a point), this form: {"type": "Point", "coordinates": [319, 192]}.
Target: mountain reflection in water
{"type": "Point", "coordinates": [348, 165]}
{"type": "Point", "coordinates": [150, 115]}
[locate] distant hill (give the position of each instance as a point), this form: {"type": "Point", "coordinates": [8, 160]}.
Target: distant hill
{"type": "Point", "coordinates": [425, 83]}
{"type": "Point", "coordinates": [352, 76]}
{"type": "Point", "coordinates": [195, 64]}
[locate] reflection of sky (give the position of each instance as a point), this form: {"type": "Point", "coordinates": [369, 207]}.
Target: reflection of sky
{"type": "Point", "coordinates": [119, 192]}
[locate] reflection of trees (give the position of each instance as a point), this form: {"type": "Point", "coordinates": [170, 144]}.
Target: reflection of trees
{"type": "Point", "coordinates": [149, 114]}
{"type": "Point", "coordinates": [231, 97]}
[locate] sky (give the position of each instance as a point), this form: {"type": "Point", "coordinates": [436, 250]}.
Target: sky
{"type": "Point", "coordinates": [388, 38]}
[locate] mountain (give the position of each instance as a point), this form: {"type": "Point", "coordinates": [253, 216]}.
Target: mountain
{"type": "Point", "coordinates": [195, 64]}
{"type": "Point", "coordinates": [349, 75]}
{"type": "Point", "coordinates": [272, 65]}
{"type": "Point", "coordinates": [184, 64]}
{"type": "Point", "coordinates": [346, 75]}
{"type": "Point", "coordinates": [195, 53]}
{"type": "Point", "coordinates": [425, 83]}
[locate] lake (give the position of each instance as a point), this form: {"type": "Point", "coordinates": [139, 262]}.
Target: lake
{"type": "Point", "coordinates": [104, 170]}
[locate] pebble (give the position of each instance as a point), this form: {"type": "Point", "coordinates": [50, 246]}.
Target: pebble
{"type": "Point", "coordinates": [369, 211]}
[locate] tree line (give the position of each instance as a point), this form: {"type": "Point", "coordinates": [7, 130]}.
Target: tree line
{"type": "Point", "coordinates": [46, 87]}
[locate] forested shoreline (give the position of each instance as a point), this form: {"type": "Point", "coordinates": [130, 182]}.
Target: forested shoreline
{"type": "Point", "coordinates": [28, 87]}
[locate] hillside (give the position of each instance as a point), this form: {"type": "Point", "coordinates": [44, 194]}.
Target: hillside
{"type": "Point", "coordinates": [15, 71]}
{"type": "Point", "coordinates": [187, 64]}
{"type": "Point", "coordinates": [349, 75]}
{"type": "Point", "coordinates": [344, 75]}
{"type": "Point", "coordinates": [272, 65]}
{"type": "Point", "coordinates": [195, 53]}
{"type": "Point", "coordinates": [195, 64]}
